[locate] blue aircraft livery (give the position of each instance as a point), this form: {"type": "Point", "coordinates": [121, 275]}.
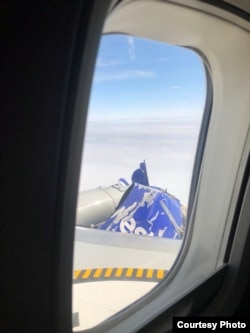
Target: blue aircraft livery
{"type": "Point", "coordinates": [140, 175]}
{"type": "Point", "coordinates": [149, 211]}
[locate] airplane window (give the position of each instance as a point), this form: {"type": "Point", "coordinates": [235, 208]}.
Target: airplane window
{"type": "Point", "coordinates": [145, 113]}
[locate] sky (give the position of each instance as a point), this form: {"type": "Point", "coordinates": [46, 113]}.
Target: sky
{"type": "Point", "coordinates": [146, 103]}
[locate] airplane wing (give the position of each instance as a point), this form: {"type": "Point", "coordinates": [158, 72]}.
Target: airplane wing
{"type": "Point", "coordinates": [110, 264]}
{"type": "Point", "coordinates": [126, 240]}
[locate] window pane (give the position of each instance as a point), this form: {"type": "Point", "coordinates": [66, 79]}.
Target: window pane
{"type": "Point", "coordinates": [144, 118]}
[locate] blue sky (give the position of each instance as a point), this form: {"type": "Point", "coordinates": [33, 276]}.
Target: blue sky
{"type": "Point", "coordinates": [143, 76]}
{"type": "Point", "coordinates": [146, 102]}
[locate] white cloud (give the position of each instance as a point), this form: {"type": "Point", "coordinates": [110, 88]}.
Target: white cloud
{"type": "Point", "coordinates": [114, 149]}
{"type": "Point", "coordinates": [131, 48]}
{"type": "Point", "coordinates": [101, 63]}
{"type": "Point", "coordinates": [123, 75]}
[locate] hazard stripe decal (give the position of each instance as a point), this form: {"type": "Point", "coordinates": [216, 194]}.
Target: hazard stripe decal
{"type": "Point", "coordinates": [118, 274]}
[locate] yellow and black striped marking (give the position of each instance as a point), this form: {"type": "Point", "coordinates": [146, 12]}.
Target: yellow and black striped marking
{"type": "Point", "coordinates": [121, 274]}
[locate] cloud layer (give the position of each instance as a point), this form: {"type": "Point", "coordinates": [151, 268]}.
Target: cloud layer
{"type": "Point", "coordinates": [114, 149]}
